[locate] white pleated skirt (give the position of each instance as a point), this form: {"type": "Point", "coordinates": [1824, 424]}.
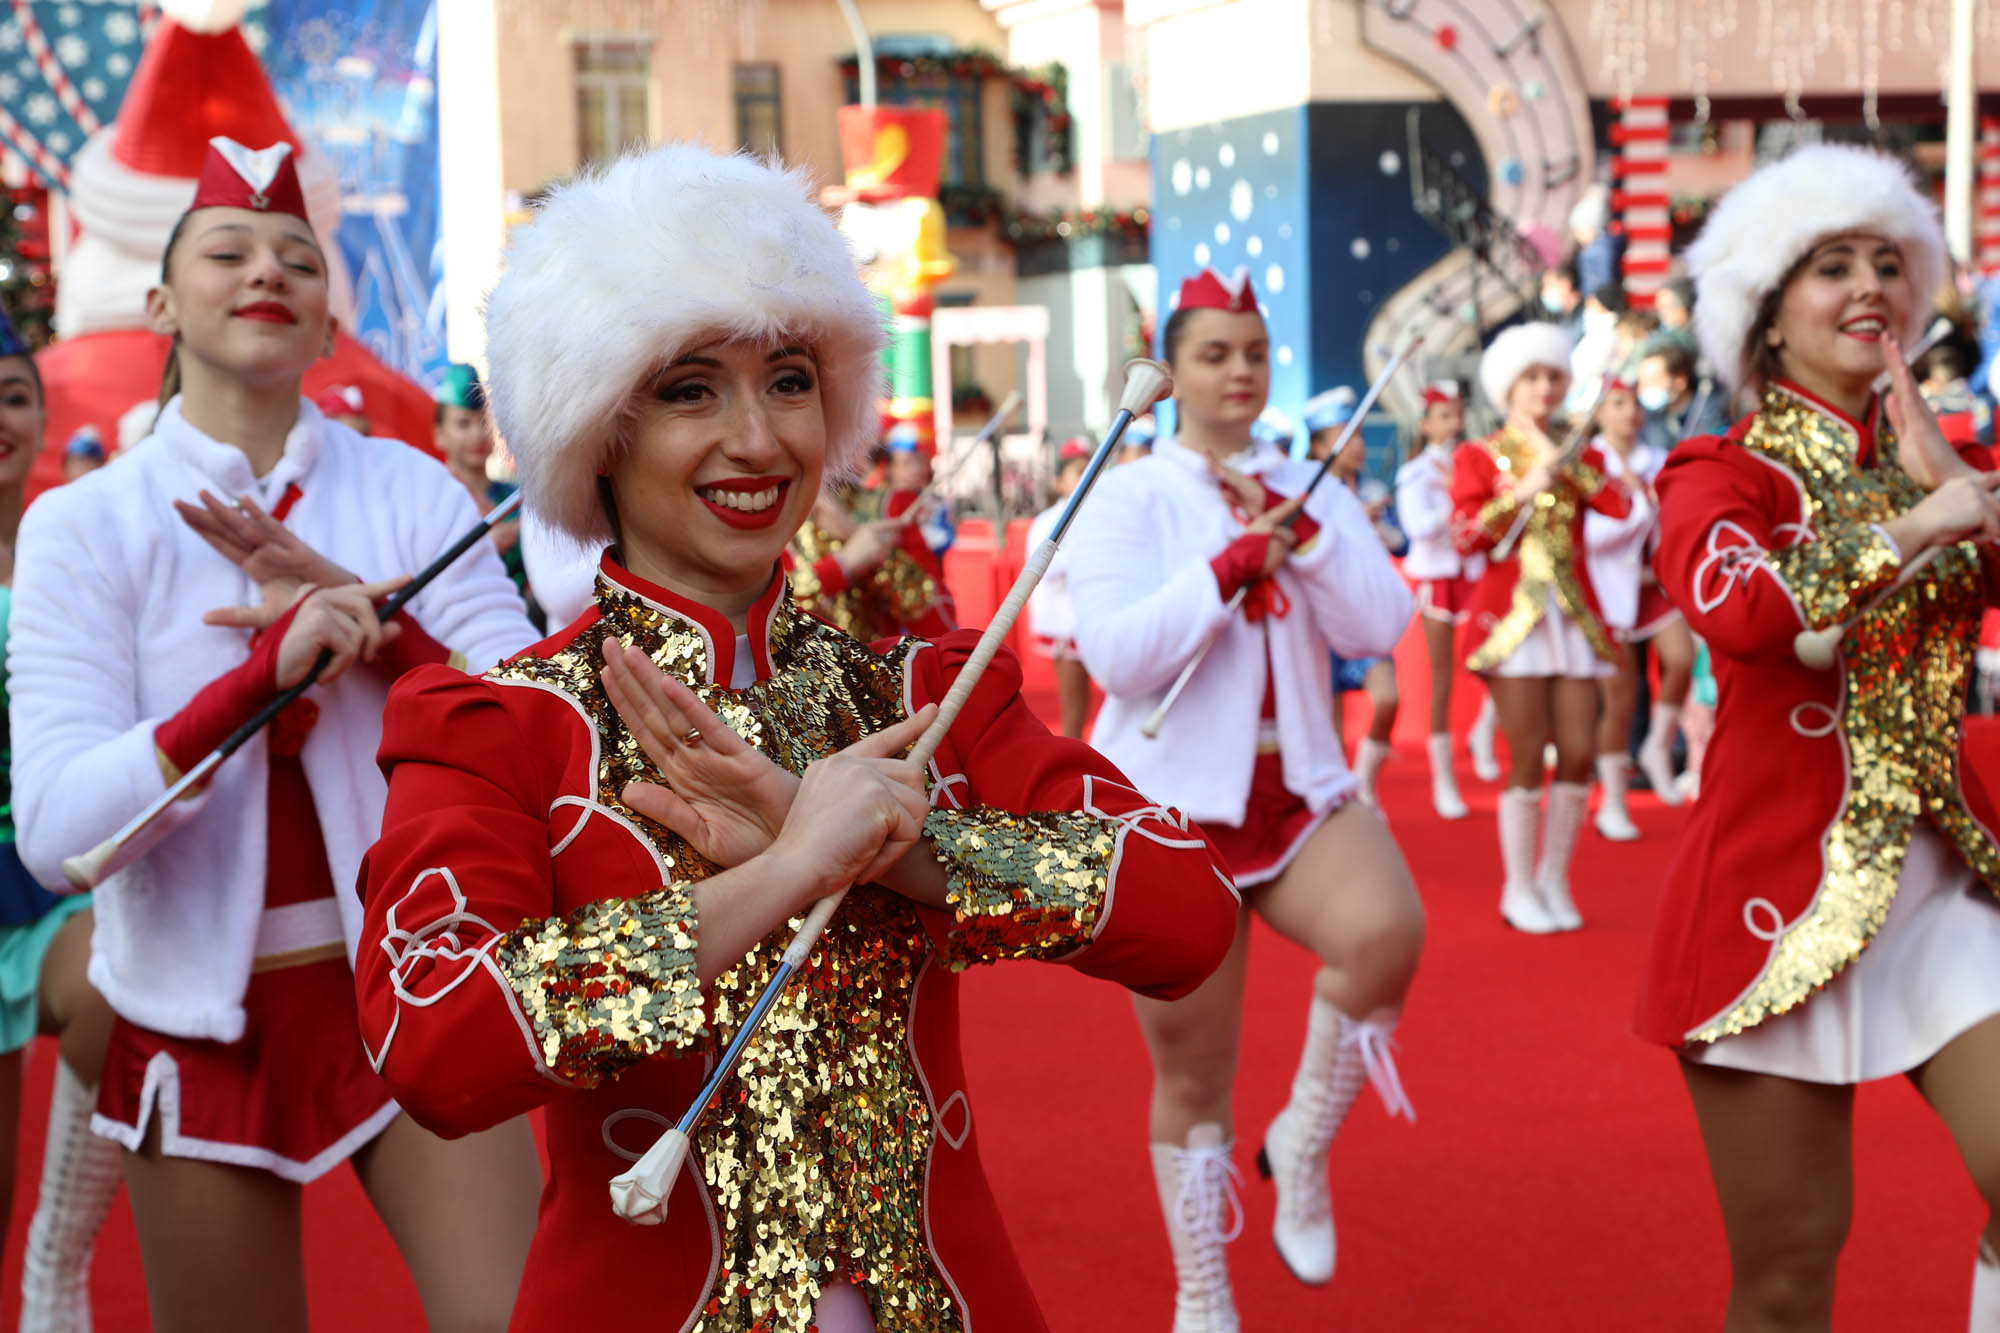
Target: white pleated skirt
{"type": "Point", "coordinates": [1932, 972]}
{"type": "Point", "coordinates": [1556, 646]}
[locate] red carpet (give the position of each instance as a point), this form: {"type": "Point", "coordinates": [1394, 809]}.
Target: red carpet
{"type": "Point", "coordinates": [1554, 1180]}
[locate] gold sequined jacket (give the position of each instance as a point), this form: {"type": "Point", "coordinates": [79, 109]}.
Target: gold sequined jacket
{"type": "Point", "coordinates": [1546, 561]}
{"type": "Point", "coordinates": [1814, 779]}
{"type": "Point", "coordinates": [529, 941]}
{"type": "Point", "coordinates": [905, 594]}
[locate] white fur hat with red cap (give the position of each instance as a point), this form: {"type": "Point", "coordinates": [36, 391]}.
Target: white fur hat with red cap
{"type": "Point", "coordinates": [196, 80]}
{"type": "Point", "coordinates": [1775, 217]}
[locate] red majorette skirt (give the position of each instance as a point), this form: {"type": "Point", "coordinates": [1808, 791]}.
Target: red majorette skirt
{"type": "Point", "coordinates": [1444, 599]}
{"type": "Point", "coordinates": [1276, 823]}
{"type": "Point", "coordinates": [1656, 612]}
{"type": "Point", "coordinates": [295, 1097]}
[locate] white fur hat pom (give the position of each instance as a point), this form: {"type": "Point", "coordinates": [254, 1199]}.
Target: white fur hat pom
{"type": "Point", "coordinates": [1517, 348]}
{"type": "Point", "coordinates": [1773, 219]}
{"type": "Point", "coordinates": [627, 267]}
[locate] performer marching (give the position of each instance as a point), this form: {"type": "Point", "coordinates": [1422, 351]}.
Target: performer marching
{"type": "Point", "coordinates": [1444, 579]}
{"type": "Point", "coordinates": [1534, 628]}
{"type": "Point", "coordinates": [235, 1071]}
{"type": "Point", "coordinates": [1619, 551]}
{"type": "Point", "coordinates": [876, 579]}
{"type": "Point", "coordinates": [1251, 752]}
{"type": "Point", "coordinates": [44, 949]}
{"type": "Point", "coordinates": [591, 855]}
{"type": "Point", "coordinates": [1829, 917]}
{"type": "Point", "coordinates": [1050, 614]}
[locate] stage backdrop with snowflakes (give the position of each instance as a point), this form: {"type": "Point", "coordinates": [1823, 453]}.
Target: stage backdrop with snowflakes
{"type": "Point", "coordinates": [357, 79]}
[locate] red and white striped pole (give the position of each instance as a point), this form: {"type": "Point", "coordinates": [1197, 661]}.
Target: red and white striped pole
{"type": "Point", "coordinates": [1986, 205]}
{"type": "Point", "coordinates": [1639, 168]}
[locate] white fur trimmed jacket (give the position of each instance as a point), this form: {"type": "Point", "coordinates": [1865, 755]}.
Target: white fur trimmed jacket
{"type": "Point", "coordinates": [1146, 600]}
{"type": "Point", "coordinates": [107, 642]}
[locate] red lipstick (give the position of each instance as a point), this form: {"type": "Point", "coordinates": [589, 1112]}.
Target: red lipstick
{"type": "Point", "coordinates": [268, 312]}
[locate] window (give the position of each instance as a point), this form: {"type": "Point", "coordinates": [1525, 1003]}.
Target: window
{"type": "Point", "coordinates": [612, 77]}
{"type": "Point", "coordinates": [759, 111]}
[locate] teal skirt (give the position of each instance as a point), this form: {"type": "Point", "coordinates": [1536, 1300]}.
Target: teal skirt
{"type": "Point", "coordinates": [22, 949]}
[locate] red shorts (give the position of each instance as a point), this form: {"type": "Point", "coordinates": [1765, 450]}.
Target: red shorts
{"type": "Point", "coordinates": [1276, 823]}
{"type": "Point", "coordinates": [295, 1097]}
{"type": "Point", "coordinates": [1444, 599]}
{"type": "Point", "coordinates": [1057, 647]}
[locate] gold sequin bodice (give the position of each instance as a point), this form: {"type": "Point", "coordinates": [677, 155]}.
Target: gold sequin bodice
{"type": "Point", "coordinates": [815, 1155]}
{"type": "Point", "coordinates": [1903, 670]}
{"type": "Point", "coordinates": [876, 606]}
{"type": "Point", "coordinates": [1547, 552]}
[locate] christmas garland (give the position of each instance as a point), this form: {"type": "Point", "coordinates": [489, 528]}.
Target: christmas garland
{"type": "Point", "coordinates": [1039, 95]}
{"type": "Point", "coordinates": [1025, 228]}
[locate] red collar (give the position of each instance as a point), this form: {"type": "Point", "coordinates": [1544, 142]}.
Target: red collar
{"type": "Point", "coordinates": [1863, 431]}
{"type": "Point", "coordinates": [717, 634]}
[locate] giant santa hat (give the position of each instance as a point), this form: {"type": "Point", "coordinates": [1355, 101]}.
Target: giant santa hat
{"type": "Point", "coordinates": [197, 80]}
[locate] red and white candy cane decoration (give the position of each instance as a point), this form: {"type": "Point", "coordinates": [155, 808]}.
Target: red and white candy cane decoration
{"type": "Point", "coordinates": [52, 70]}
{"type": "Point", "coordinates": [53, 168]}
{"type": "Point", "coordinates": [1986, 224]}
{"type": "Point", "coordinates": [1640, 167]}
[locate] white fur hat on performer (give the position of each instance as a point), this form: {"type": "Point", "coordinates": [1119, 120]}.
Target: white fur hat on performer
{"type": "Point", "coordinates": [1517, 348]}
{"type": "Point", "coordinates": [1772, 220]}
{"type": "Point", "coordinates": [627, 267]}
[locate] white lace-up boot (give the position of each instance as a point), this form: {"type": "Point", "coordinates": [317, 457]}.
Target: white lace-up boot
{"type": "Point", "coordinates": [1479, 742]}
{"type": "Point", "coordinates": [1369, 757]}
{"type": "Point", "coordinates": [1444, 784]}
{"type": "Point", "coordinates": [80, 1177]}
{"type": "Point", "coordinates": [1614, 821]}
{"type": "Point", "coordinates": [1520, 902]}
{"type": "Point", "coordinates": [1198, 1195]}
{"type": "Point", "coordinates": [1985, 1292]}
{"type": "Point", "coordinates": [1568, 803]}
{"type": "Point", "coordinates": [1656, 752]}
{"type": "Point", "coordinates": [1341, 1054]}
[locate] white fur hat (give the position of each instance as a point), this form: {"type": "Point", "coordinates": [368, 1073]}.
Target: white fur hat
{"type": "Point", "coordinates": [625, 268]}
{"type": "Point", "coordinates": [1517, 348]}
{"type": "Point", "coordinates": [1771, 220]}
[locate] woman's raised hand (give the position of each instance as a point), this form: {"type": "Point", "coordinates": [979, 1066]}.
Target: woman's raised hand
{"type": "Point", "coordinates": [717, 790]}
{"type": "Point", "coordinates": [868, 546]}
{"type": "Point", "coordinates": [339, 621]}
{"type": "Point", "coordinates": [281, 565]}
{"type": "Point", "coordinates": [1277, 522]}
{"type": "Point", "coordinates": [1921, 447]}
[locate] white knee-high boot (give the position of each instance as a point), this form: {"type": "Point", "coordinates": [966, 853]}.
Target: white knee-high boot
{"type": "Point", "coordinates": [1656, 752]}
{"type": "Point", "coordinates": [1985, 1292]}
{"type": "Point", "coordinates": [1568, 803]}
{"type": "Point", "coordinates": [1369, 757]}
{"type": "Point", "coordinates": [1444, 784]}
{"type": "Point", "coordinates": [1479, 742]}
{"type": "Point", "coordinates": [1340, 1054]}
{"type": "Point", "coordinates": [1198, 1196]}
{"type": "Point", "coordinates": [80, 1177]}
{"type": "Point", "coordinates": [1520, 901]}
{"type": "Point", "coordinates": [1614, 821]}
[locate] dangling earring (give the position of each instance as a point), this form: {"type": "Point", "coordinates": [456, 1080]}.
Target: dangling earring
{"type": "Point", "coordinates": [1773, 338]}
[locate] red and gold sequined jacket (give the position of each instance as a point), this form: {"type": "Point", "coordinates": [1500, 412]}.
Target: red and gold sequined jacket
{"type": "Point", "coordinates": [529, 942]}
{"type": "Point", "coordinates": [1814, 779]}
{"type": "Point", "coordinates": [905, 594]}
{"type": "Point", "coordinates": [1512, 596]}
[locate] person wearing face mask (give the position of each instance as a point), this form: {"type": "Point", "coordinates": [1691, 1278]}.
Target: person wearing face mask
{"type": "Point", "coordinates": [1562, 297]}
{"type": "Point", "coordinates": [235, 1071]}
{"type": "Point", "coordinates": [1678, 401]}
{"type": "Point", "coordinates": [591, 855]}
{"type": "Point", "coordinates": [1829, 917]}
{"type": "Point", "coordinates": [1249, 750]}
{"type": "Point", "coordinates": [1535, 630]}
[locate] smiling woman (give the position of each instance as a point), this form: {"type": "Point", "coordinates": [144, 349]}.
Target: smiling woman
{"type": "Point", "coordinates": [235, 1071]}
{"type": "Point", "coordinates": [591, 856]}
